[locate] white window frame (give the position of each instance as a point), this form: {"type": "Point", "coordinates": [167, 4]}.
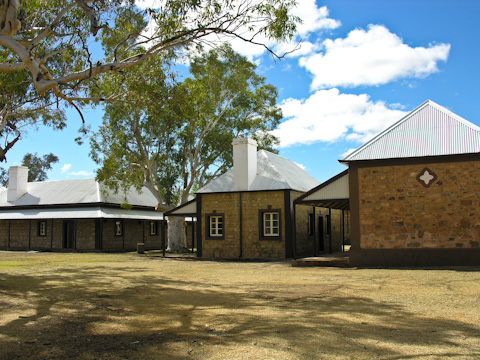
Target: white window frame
{"type": "Point", "coordinates": [214, 229]}
{"type": "Point", "coordinates": [269, 227]}
{"type": "Point", "coordinates": [118, 228]}
{"type": "Point", "coordinates": [153, 228]}
{"type": "Point", "coordinates": [42, 228]}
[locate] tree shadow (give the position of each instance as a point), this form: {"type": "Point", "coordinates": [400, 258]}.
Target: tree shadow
{"type": "Point", "coordinates": [101, 313]}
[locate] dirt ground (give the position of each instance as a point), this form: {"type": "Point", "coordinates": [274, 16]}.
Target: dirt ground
{"type": "Point", "coordinates": [129, 306]}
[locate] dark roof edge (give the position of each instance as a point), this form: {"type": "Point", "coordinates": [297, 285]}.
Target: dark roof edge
{"type": "Point", "coordinates": [433, 158]}
{"type": "Point", "coordinates": [78, 205]}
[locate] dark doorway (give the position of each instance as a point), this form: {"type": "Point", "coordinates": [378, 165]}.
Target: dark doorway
{"type": "Point", "coordinates": [321, 232]}
{"type": "Point", "coordinates": [68, 234]}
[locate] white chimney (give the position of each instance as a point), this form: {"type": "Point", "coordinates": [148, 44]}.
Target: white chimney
{"type": "Point", "coordinates": [244, 163]}
{"type": "Point", "coordinates": [17, 182]}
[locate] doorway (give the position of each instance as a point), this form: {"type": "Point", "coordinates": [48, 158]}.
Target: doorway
{"type": "Point", "coordinates": [68, 234]}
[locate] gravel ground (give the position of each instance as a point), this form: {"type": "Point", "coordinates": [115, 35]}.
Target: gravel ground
{"type": "Point", "coordinates": [129, 306]}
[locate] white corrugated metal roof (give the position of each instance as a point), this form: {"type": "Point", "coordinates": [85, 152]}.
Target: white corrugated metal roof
{"type": "Point", "coordinates": [79, 213]}
{"type": "Point", "coordinates": [273, 173]}
{"type": "Point", "coordinates": [83, 191]}
{"type": "Point", "coordinates": [429, 130]}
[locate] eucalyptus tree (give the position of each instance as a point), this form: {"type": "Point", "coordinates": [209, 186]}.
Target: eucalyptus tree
{"type": "Point", "coordinates": [59, 48]}
{"type": "Point", "coordinates": [175, 137]}
{"type": "Point", "coordinates": [37, 167]}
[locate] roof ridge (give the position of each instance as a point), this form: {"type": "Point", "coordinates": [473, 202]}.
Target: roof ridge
{"type": "Point", "coordinates": [425, 105]}
{"type": "Point", "coordinates": [387, 130]}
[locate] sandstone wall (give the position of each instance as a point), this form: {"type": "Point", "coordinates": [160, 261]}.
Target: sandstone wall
{"type": "Point", "coordinates": [253, 247]}
{"type": "Point", "coordinates": [397, 211]}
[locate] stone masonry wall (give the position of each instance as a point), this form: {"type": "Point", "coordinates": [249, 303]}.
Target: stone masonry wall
{"type": "Point", "coordinates": [38, 242]}
{"type": "Point", "coordinates": [227, 204]}
{"type": "Point", "coordinates": [57, 241]}
{"type": "Point", "coordinates": [253, 247]}
{"type": "Point", "coordinates": [85, 235]}
{"type": "Point", "coordinates": [3, 234]}
{"type": "Point", "coordinates": [397, 211]}
{"type": "Point", "coordinates": [153, 242]}
{"type": "Point", "coordinates": [309, 245]}
{"type": "Point", "coordinates": [19, 234]}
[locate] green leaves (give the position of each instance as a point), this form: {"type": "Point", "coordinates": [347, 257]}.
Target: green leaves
{"type": "Point", "coordinates": [176, 136]}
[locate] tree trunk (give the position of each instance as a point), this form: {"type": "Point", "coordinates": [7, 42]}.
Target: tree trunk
{"type": "Point", "coordinates": [176, 234]}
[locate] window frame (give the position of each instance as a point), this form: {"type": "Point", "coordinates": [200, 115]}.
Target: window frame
{"type": "Point", "coordinates": [208, 227]}
{"type": "Point", "coordinates": [116, 228]}
{"type": "Point", "coordinates": [153, 228]}
{"type": "Point", "coordinates": [261, 222]}
{"type": "Point", "coordinates": [40, 232]}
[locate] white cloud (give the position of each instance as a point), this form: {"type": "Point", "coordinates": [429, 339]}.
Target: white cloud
{"type": "Point", "coordinates": [65, 168]}
{"type": "Point", "coordinates": [371, 57]}
{"type": "Point", "coordinates": [314, 19]}
{"type": "Point", "coordinates": [328, 116]}
{"type": "Point", "coordinates": [301, 166]}
{"type": "Point", "coordinates": [81, 173]}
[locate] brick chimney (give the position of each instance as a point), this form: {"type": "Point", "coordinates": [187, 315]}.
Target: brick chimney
{"type": "Point", "coordinates": [244, 163]}
{"type": "Point", "coordinates": [17, 182]}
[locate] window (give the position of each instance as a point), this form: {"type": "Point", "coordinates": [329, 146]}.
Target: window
{"type": "Point", "coordinates": [118, 228]}
{"type": "Point", "coordinates": [269, 221]}
{"type": "Point", "coordinates": [153, 228]}
{"type": "Point", "coordinates": [311, 224]}
{"type": "Point", "coordinates": [215, 226]}
{"type": "Point", "coordinates": [42, 228]}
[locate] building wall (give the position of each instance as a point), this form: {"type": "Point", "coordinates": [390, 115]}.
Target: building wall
{"type": "Point", "coordinates": [249, 204]}
{"type": "Point", "coordinates": [396, 213]}
{"type": "Point", "coordinates": [309, 244]}
{"type": "Point", "coordinates": [23, 235]}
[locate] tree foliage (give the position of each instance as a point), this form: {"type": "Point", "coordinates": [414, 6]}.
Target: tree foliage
{"type": "Point", "coordinates": [52, 52]}
{"type": "Point", "coordinates": [176, 136]}
{"type": "Point", "coordinates": [55, 40]}
{"type": "Point", "coordinates": [37, 167]}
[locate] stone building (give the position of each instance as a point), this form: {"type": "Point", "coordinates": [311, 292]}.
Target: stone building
{"type": "Point", "coordinates": [322, 218]}
{"type": "Point", "coordinates": [248, 212]}
{"type": "Point", "coordinates": [414, 192]}
{"type": "Point", "coordinates": [75, 215]}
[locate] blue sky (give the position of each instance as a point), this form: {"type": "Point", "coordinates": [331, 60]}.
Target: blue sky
{"type": "Point", "coordinates": [361, 66]}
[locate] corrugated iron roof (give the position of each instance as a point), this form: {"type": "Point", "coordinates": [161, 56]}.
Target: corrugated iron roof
{"type": "Point", "coordinates": [429, 130]}
{"type": "Point", "coordinates": [71, 192]}
{"type": "Point", "coordinates": [79, 213]}
{"type": "Point", "coordinates": [274, 172]}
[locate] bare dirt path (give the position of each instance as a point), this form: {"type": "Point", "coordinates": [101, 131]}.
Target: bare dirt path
{"type": "Point", "coordinates": [128, 306]}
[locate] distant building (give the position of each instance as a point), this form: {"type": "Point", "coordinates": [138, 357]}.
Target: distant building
{"type": "Point", "coordinates": [414, 192]}
{"type": "Point", "coordinates": [75, 215]}
{"type": "Point", "coordinates": [248, 212]}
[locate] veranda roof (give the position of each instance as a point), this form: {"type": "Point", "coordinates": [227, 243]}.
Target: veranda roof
{"type": "Point", "coordinates": [333, 194]}
{"type": "Point", "coordinates": [79, 213]}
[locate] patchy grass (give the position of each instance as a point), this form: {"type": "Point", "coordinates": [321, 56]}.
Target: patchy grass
{"type": "Point", "coordinates": [127, 306]}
